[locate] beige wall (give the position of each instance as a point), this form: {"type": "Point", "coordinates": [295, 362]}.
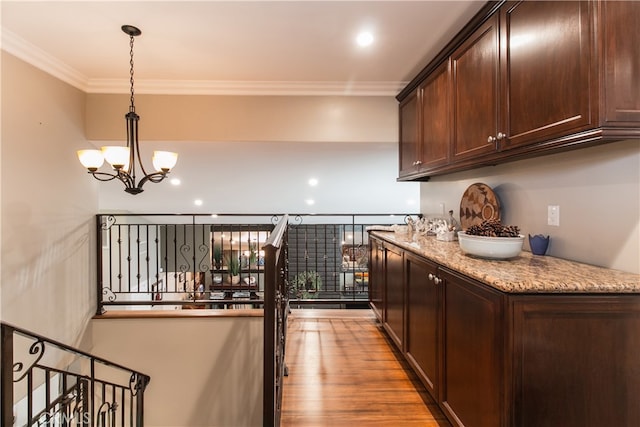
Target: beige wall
{"type": "Point", "coordinates": [597, 189]}
{"type": "Point", "coordinates": [367, 119]}
{"type": "Point", "coordinates": [204, 371]}
{"type": "Point", "coordinates": [47, 249]}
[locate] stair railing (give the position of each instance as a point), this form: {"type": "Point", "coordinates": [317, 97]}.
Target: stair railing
{"type": "Point", "coordinates": [44, 382]}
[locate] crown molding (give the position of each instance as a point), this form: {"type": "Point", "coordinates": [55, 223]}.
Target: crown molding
{"type": "Point", "coordinates": [40, 59]}
{"type": "Point", "coordinates": [212, 87]}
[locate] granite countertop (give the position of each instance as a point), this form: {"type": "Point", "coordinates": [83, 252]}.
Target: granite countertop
{"type": "Point", "coordinates": [526, 273]}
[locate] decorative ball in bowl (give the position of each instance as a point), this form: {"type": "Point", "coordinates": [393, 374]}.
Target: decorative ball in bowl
{"type": "Point", "coordinates": [490, 247]}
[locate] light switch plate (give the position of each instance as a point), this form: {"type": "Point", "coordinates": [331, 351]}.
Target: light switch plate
{"type": "Point", "coordinates": [553, 215]}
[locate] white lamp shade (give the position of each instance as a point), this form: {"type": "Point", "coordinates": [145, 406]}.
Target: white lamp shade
{"type": "Point", "coordinates": [117, 156]}
{"type": "Point", "coordinates": [164, 160]}
{"type": "Point", "coordinates": [91, 159]}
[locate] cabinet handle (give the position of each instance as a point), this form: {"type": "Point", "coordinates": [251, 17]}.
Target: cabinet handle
{"type": "Point", "coordinates": [501, 136]}
{"type": "Point", "coordinates": [435, 279]}
{"type": "Point", "coordinates": [491, 139]}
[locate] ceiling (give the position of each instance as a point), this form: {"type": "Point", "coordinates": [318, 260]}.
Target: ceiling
{"type": "Point", "coordinates": [233, 47]}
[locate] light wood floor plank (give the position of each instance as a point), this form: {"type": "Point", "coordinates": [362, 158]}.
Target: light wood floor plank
{"type": "Point", "coordinates": [343, 371]}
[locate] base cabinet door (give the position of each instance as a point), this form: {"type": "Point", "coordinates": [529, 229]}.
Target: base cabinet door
{"type": "Point", "coordinates": [377, 258]}
{"type": "Point", "coordinates": [473, 352]}
{"type": "Point", "coordinates": [423, 337]}
{"type": "Point", "coordinates": [576, 361]}
{"type": "Point", "coordinates": [395, 296]}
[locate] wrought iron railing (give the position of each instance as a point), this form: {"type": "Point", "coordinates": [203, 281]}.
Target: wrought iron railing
{"type": "Point", "coordinates": [47, 383]}
{"type": "Point", "coordinates": [276, 309]}
{"type": "Point", "coordinates": [190, 260]}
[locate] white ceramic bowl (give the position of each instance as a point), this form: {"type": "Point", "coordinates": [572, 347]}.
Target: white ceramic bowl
{"type": "Point", "coordinates": [490, 247]}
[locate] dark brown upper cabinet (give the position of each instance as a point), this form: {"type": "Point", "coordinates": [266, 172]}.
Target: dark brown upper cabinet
{"type": "Point", "coordinates": [620, 65]}
{"type": "Point", "coordinates": [527, 78]}
{"type": "Point", "coordinates": [436, 122]}
{"type": "Point", "coordinates": [547, 71]}
{"type": "Point", "coordinates": [409, 135]}
{"type": "Point", "coordinates": [425, 125]}
{"type": "Point", "coordinates": [476, 93]}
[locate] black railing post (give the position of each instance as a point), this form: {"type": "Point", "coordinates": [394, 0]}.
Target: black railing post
{"type": "Point", "coordinates": [99, 266]}
{"type": "Point", "coordinates": [141, 385]}
{"type": "Point", "coordinates": [6, 369]}
{"type": "Point", "coordinates": [273, 324]}
{"type": "Point", "coordinates": [269, 394]}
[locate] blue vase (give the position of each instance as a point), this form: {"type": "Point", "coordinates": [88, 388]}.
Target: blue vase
{"type": "Point", "coordinates": [539, 244]}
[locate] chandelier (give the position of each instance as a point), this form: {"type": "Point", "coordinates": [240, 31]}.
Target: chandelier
{"type": "Point", "coordinates": [123, 159]}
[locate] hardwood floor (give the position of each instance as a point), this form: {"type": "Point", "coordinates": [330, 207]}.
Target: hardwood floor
{"type": "Point", "coordinates": [343, 371]}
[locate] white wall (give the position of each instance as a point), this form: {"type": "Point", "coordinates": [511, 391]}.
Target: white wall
{"type": "Point", "coordinates": [204, 371]}
{"type": "Point", "coordinates": [272, 177]}
{"type": "Point", "coordinates": [597, 189]}
{"type": "Point", "coordinates": [47, 206]}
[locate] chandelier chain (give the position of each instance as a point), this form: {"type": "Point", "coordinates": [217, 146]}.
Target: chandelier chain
{"type": "Point", "coordinates": [132, 108]}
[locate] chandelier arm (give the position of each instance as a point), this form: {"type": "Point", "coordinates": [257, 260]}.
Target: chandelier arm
{"type": "Point", "coordinates": [135, 145]}
{"type": "Point", "coordinates": [132, 118]}
{"type": "Point", "coordinates": [104, 176]}
{"type": "Point", "coordinates": [128, 180]}
{"type": "Point", "coordinates": [152, 177]}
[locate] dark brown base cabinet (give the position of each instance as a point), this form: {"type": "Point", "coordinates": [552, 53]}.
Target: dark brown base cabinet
{"type": "Point", "coordinates": [576, 360]}
{"type": "Point", "coordinates": [490, 358]}
{"type": "Point", "coordinates": [377, 258]}
{"type": "Point", "coordinates": [395, 293]}
{"type": "Point", "coordinates": [423, 320]}
{"type": "Point", "coordinates": [473, 352]}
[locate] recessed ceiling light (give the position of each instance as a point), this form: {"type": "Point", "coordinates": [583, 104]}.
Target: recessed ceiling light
{"type": "Point", "coordinates": [175, 181]}
{"type": "Point", "coordinates": [313, 182]}
{"type": "Point", "coordinates": [310, 201]}
{"type": "Point", "coordinates": [365, 38]}
{"type": "Point", "coordinates": [197, 202]}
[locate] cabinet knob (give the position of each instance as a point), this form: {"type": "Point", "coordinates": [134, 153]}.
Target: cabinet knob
{"type": "Point", "coordinates": [437, 280]}
{"type": "Point", "coordinates": [430, 276]}
{"type": "Point", "coordinates": [491, 139]}
{"type": "Point", "coordinates": [500, 136]}
{"type": "Point", "coordinates": [418, 162]}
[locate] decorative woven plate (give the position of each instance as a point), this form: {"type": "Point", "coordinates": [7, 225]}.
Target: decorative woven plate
{"type": "Point", "coordinates": [479, 203]}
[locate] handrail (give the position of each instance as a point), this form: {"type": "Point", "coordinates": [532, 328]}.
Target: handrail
{"type": "Point", "coordinates": [87, 394]}
{"type": "Point", "coordinates": [275, 314]}
{"type": "Point", "coordinates": [276, 237]}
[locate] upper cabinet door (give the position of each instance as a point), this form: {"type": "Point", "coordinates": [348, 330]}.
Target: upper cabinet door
{"type": "Point", "coordinates": [409, 136]}
{"type": "Point", "coordinates": [547, 70]}
{"type": "Point", "coordinates": [436, 114]}
{"type": "Point", "coordinates": [475, 74]}
{"type": "Point", "coordinates": [620, 27]}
